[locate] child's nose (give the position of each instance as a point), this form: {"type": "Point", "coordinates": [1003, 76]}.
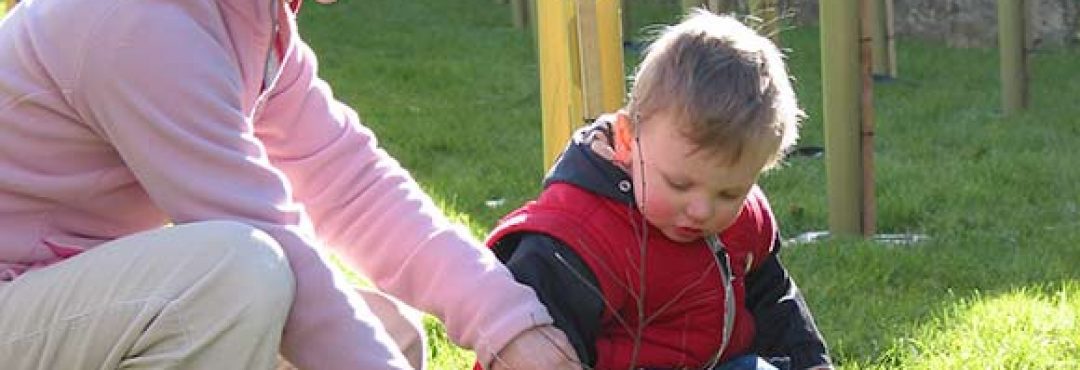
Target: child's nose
{"type": "Point", "coordinates": [699, 211]}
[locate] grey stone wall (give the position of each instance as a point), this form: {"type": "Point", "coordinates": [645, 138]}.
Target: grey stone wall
{"type": "Point", "coordinates": [970, 23]}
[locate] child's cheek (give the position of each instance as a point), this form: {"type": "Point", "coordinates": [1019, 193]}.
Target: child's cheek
{"type": "Point", "coordinates": [660, 209]}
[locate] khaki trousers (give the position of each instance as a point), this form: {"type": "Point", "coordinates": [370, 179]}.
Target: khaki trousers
{"type": "Point", "coordinates": [202, 296]}
{"type": "Point", "coordinates": [209, 295]}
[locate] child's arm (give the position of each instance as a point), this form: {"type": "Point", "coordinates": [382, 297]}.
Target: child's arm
{"type": "Point", "coordinates": [562, 282]}
{"type": "Point", "coordinates": [785, 326]}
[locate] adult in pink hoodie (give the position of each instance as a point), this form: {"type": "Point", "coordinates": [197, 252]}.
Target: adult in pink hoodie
{"type": "Point", "coordinates": [118, 117]}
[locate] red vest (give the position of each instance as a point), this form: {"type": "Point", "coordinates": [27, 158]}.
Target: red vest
{"type": "Point", "coordinates": [679, 287]}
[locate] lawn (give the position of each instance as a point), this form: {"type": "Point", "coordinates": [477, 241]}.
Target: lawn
{"type": "Point", "coordinates": [452, 91]}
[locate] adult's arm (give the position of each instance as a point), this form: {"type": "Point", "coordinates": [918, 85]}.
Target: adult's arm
{"type": "Point", "coordinates": [161, 82]}
{"type": "Point", "coordinates": [374, 215]}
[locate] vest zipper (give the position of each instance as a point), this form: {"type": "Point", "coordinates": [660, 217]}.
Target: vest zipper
{"type": "Point", "coordinates": [723, 262]}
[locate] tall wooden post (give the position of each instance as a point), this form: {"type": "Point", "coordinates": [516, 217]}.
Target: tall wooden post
{"type": "Point", "coordinates": [613, 76]}
{"type": "Point", "coordinates": [592, 79]}
{"type": "Point", "coordinates": [868, 207]}
{"type": "Point", "coordinates": [842, 91]}
{"type": "Point", "coordinates": [560, 75]}
{"type": "Point", "coordinates": [890, 36]}
{"type": "Point", "coordinates": [519, 13]}
{"type": "Point", "coordinates": [579, 43]}
{"type": "Point", "coordinates": [881, 36]}
{"type": "Point", "coordinates": [1011, 40]}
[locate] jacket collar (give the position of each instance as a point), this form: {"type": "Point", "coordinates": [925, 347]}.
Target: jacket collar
{"type": "Point", "coordinates": [581, 166]}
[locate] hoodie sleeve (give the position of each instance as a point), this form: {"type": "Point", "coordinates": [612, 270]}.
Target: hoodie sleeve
{"type": "Point", "coordinates": [165, 88]}
{"type": "Point", "coordinates": [375, 216]}
{"type": "Point", "coordinates": [564, 283]}
{"type": "Point", "coordinates": [785, 326]}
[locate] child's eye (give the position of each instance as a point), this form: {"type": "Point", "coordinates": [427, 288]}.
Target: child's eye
{"type": "Point", "coordinates": [678, 185]}
{"type": "Point", "coordinates": [729, 195]}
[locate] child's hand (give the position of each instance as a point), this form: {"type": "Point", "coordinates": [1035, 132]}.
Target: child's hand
{"type": "Point", "coordinates": [540, 348]}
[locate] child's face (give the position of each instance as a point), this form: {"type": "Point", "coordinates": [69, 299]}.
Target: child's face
{"type": "Point", "coordinates": [689, 193]}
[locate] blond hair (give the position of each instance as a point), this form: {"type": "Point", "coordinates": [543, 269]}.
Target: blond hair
{"type": "Point", "coordinates": [727, 84]}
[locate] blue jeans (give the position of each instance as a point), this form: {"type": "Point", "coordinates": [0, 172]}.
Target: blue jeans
{"type": "Point", "coordinates": [750, 362]}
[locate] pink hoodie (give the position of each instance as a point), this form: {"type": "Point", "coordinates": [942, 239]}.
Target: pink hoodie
{"type": "Point", "coordinates": [118, 116]}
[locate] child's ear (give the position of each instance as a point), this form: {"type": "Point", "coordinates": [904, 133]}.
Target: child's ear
{"type": "Point", "coordinates": [624, 136]}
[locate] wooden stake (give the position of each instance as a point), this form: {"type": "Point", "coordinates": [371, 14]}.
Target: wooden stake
{"type": "Point", "coordinates": [841, 94]}
{"type": "Point", "coordinates": [890, 36]}
{"type": "Point", "coordinates": [1011, 40]}
{"type": "Point", "coordinates": [869, 21]}
{"type": "Point", "coordinates": [519, 13]}
{"type": "Point", "coordinates": [560, 77]}
{"type": "Point", "coordinates": [592, 79]}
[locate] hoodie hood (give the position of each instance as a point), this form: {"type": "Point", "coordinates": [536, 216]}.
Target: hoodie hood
{"type": "Point", "coordinates": [582, 166]}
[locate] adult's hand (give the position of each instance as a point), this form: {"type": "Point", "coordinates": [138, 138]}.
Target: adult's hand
{"type": "Point", "coordinates": [540, 348]}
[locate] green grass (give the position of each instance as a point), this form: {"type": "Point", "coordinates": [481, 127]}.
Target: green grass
{"type": "Point", "coordinates": [451, 89]}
